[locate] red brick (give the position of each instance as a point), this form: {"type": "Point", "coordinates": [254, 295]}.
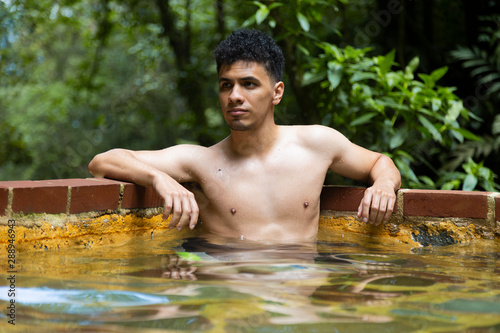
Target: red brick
{"type": "Point", "coordinates": [38, 197]}
{"type": "Point", "coordinates": [438, 203]}
{"type": "Point", "coordinates": [341, 198]}
{"type": "Point", "coordinates": [50, 196]}
{"type": "Point", "coordinates": [16, 183]}
{"type": "Point", "coordinates": [94, 195]}
{"type": "Point", "coordinates": [76, 182]}
{"type": "Point", "coordinates": [135, 196]}
{"type": "Point", "coordinates": [4, 200]}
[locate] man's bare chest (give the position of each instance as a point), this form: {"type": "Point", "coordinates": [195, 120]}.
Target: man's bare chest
{"type": "Point", "coordinates": [255, 189]}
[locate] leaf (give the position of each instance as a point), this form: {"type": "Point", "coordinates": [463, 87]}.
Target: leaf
{"type": "Point", "coordinates": [406, 171]}
{"type": "Point", "coordinates": [453, 184]}
{"type": "Point", "coordinates": [428, 181]}
{"type": "Point", "coordinates": [436, 104]}
{"type": "Point", "coordinates": [438, 73]}
{"type": "Point", "coordinates": [475, 63]}
{"type": "Point", "coordinates": [397, 140]}
{"type": "Point", "coordinates": [488, 79]}
{"type": "Point", "coordinates": [258, 4]}
{"type": "Point", "coordinates": [310, 77]}
{"type": "Point", "coordinates": [392, 104]}
{"type": "Point", "coordinates": [457, 135]}
{"type": "Point", "coordinates": [249, 22]}
{"type": "Point", "coordinates": [412, 66]}
{"type": "Point", "coordinates": [493, 88]}
{"type": "Point", "coordinates": [480, 70]}
{"type": "Point", "coordinates": [275, 5]}
{"type": "Point", "coordinates": [363, 119]}
{"type": "Point", "coordinates": [303, 49]}
{"type": "Point", "coordinates": [467, 134]}
{"type": "Point", "coordinates": [454, 111]}
{"type": "Point", "coordinates": [470, 183]}
{"type": "Point", "coordinates": [427, 80]}
{"type": "Point", "coordinates": [335, 75]}
{"type": "Point", "coordinates": [385, 62]}
{"type": "Point", "coordinates": [470, 166]}
{"type": "Point", "coordinates": [261, 14]}
{"type": "Point", "coordinates": [360, 76]}
{"type": "Point", "coordinates": [303, 21]}
{"type": "Point", "coordinates": [485, 173]}
{"type": "Point", "coordinates": [333, 50]}
{"type": "Point", "coordinates": [430, 127]}
{"type": "Point", "coordinates": [495, 128]}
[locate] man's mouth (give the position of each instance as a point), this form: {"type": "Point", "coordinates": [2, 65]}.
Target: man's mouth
{"type": "Point", "coordinates": [236, 111]}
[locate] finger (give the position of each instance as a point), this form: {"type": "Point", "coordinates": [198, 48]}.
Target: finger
{"type": "Point", "coordinates": [168, 208]}
{"type": "Point", "coordinates": [381, 210]}
{"type": "Point", "coordinates": [186, 212]}
{"type": "Point", "coordinates": [195, 211]}
{"type": "Point", "coordinates": [175, 273]}
{"type": "Point", "coordinates": [374, 209]}
{"type": "Point", "coordinates": [390, 208]}
{"type": "Point", "coordinates": [190, 274]}
{"type": "Point", "coordinates": [360, 208]}
{"type": "Point", "coordinates": [176, 211]}
{"type": "Point", "coordinates": [364, 208]}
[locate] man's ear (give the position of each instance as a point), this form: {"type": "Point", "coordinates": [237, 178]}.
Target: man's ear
{"type": "Point", "coordinates": [279, 89]}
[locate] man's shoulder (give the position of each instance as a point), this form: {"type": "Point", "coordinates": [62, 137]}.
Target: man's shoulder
{"type": "Point", "coordinates": [312, 133]}
{"type": "Point", "coordinates": [318, 139]}
{"type": "Point", "coordinates": [192, 150]}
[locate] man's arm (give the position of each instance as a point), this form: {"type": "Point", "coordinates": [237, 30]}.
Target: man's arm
{"type": "Point", "coordinates": [361, 164]}
{"type": "Point", "coordinates": [147, 168]}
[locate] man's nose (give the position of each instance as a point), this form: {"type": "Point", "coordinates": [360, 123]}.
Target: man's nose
{"type": "Point", "coordinates": [236, 95]}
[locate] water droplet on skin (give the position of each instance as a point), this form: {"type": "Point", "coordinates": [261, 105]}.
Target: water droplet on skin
{"type": "Point", "coordinates": [306, 204]}
{"type": "Point", "coordinates": [241, 237]}
{"type": "Point", "coordinates": [233, 211]}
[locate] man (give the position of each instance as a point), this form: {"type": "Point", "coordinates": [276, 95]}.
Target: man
{"type": "Point", "coordinates": [263, 181]}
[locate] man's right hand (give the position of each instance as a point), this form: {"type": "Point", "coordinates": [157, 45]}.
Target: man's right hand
{"type": "Point", "coordinates": [178, 200]}
{"type": "Point", "coordinates": [147, 168]}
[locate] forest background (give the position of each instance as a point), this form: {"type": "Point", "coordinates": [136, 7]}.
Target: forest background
{"type": "Point", "coordinates": [416, 80]}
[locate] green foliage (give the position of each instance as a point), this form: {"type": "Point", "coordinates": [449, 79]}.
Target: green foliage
{"type": "Point", "coordinates": [82, 76]}
{"type": "Point", "coordinates": [387, 110]}
{"type": "Point", "coordinates": [476, 175]}
{"type": "Point", "coordinates": [483, 63]}
{"type": "Point", "coordinates": [383, 107]}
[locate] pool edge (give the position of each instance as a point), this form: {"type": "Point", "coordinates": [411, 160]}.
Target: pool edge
{"type": "Point", "coordinates": [421, 217]}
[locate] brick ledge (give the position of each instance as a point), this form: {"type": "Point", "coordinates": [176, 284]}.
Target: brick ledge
{"type": "Point", "coordinates": [74, 196]}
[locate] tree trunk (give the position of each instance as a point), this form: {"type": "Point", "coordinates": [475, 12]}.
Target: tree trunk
{"type": "Point", "coordinates": [188, 82]}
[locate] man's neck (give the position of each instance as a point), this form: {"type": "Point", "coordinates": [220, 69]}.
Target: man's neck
{"type": "Point", "coordinates": [254, 141]}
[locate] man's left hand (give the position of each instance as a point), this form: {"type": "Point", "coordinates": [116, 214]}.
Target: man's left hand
{"type": "Point", "coordinates": [377, 204]}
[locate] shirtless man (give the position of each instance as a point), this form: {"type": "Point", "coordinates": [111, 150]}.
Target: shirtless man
{"type": "Point", "coordinates": [262, 182]}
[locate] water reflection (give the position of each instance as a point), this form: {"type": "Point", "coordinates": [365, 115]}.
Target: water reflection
{"type": "Point", "coordinates": [227, 285]}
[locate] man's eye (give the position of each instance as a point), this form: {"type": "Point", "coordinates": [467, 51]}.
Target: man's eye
{"type": "Point", "coordinates": [225, 85]}
{"type": "Point", "coordinates": [250, 84]}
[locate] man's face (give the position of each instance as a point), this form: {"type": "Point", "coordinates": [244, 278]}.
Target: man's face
{"type": "Point", "coordinates": [247, 94]}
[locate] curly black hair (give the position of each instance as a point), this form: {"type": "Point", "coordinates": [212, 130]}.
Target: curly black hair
{"type": "Point", "coordinates": [253, 46]}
